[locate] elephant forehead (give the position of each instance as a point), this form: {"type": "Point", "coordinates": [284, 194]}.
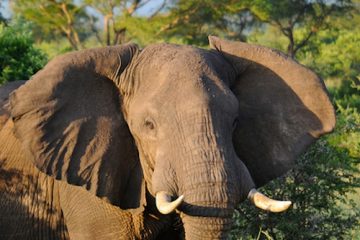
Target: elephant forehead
{"type": "Point", "coordinates": [182, 71]}
{"type": "Point", "coordinates": [165, 52]}
{"type": "Point", "coordinates": [177, 61]}
{"type": "Point", "coordinates": [175, 79]}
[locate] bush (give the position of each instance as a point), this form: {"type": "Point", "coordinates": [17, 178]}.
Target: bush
{"type": "Point", "coordinates": [19, 59]}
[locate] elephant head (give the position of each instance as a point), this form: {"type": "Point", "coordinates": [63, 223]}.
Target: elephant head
{"type": "Point", "coordinates": [203, 128]}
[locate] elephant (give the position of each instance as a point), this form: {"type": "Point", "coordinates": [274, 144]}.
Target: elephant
{"type": "Point", "coordinates": [162, 142]}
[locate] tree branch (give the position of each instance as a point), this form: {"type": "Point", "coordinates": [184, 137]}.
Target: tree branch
{"type": "Point", "coordinates": [161, 7]}
{"type": "Point", "coordinates": [94, 30]}
{"type": "Point", "coordinates": [143, 3]}
{"type": "Point", "coordinates": [119, 35]}
{"type": "Point", "coordinates": [134, 6]}
{"type": "Point", "coordinates": [304, 41]}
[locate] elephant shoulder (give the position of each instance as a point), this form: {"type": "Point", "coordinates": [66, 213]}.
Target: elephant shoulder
{"type": "Point", "coordinates": [29, 199]}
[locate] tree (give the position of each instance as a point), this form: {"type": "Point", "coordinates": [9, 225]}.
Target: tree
{"type": "Point", "coordinates": [19, 59]}
{"type": "Point", "coordinates": [334, 53]}
{"type": "Point", "coordinates": [116, 14]}
{"type": "Point", "coordinates": [77, 20]}
{"type": "Point", "coordinates": [54, 17]}
{"type": "Point", "coordinates": [193, 21]}
{"type": "Point", "coordinates": [290, 15]}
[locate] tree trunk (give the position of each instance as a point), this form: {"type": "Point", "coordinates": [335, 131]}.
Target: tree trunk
{"type": "Point", "coordinates": [107, 29]}
{"type": "Point", "coordinates": [120, 36]}
{"type": "Point", "coordinates": [76, 38]}
{"type": "Point", "coordinates": [291, 45]}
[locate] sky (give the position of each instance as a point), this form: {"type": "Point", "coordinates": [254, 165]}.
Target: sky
{"type": "Point", "coordinates": [5, 8]}
{"type": "Point", "coordinates": [145, 10]}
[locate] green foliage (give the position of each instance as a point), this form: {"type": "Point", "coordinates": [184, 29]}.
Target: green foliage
{"type": "Point", "coordinates": [268, 36]}
{"type": "Point", "coordinates": [90, 23]}
{"type": "Point", "coordinates": [335, 54]}
{"type": "Point", "coordinates": [303, 12]}
{"type": "Point", "coordinates": [347, 134]}
{"type": "Point", "coordinates": [289, 16]}
{"type": "Point", "coordinates": [142, 30]}
{"type": "Point", "coordinates": [55, 47]}
{"type": "Point", "coordinates": [347, 94]}
{"type": "Point", "coordinates": [193, 21]}
{"type": "Point", "coordinates": [52, 19]}
{"type": "Point", "coordinates": [19, 59]}
{"type": "Point", "coordinates": [340, 57]}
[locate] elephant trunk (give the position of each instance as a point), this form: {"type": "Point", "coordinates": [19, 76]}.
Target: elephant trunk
{"type": "Point", "coordinates": [219, 180]}
{"type": "Point", "coordinates": [197, 228]}
{"type": "Point", "coordinates": [211, 193]}
{"type": "Point", "coordinates": [209, 175]}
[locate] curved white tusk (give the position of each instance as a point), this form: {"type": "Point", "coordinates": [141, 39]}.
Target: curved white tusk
{"type": "Point", "coordinates": [263, 202]}
{"type": "Point", "coordinates": [164, 203]}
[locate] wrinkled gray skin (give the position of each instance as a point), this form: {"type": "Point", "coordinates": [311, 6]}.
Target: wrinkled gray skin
{"type": "Point", "coordinates": [87, 143]}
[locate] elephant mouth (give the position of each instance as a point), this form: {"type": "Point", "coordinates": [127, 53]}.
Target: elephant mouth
{"type": "Point", "coordinates": [165, 205]}
{"type": "Point", "coordinates": [208, 211]}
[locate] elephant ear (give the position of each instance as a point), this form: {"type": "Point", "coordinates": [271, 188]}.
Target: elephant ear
{"type": "Point", "coordinates": [283, 108]}
{"type": "Point", "coordinates": [70, 122]}
{"type": "Point", "coordinates": [5, 91]}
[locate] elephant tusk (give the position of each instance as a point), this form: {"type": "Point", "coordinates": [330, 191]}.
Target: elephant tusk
{"type": "Point", "coordinates": [263, 202]}
{"type": "Point", "coordinates": [164, 203]}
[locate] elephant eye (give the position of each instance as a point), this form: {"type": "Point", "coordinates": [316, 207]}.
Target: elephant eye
{"type": "Point", "coordinates": [149, 124]}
